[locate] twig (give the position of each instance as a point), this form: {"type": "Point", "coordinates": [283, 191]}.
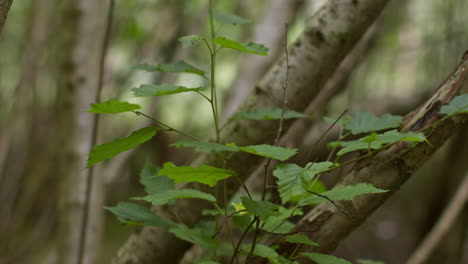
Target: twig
{"type": "Point", "coordinates": [334, 204]}
{"type": "Point", "coordinates": [423, 252]}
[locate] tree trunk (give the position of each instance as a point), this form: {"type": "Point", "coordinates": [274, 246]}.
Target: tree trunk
{"type": "Point", "coordinates": [4, 7]}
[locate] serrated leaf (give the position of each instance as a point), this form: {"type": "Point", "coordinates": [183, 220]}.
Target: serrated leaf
{"type": "Point", "coordinates": [249, 47]}
{"type": "Point", "coordinates": [110, 149]}
{"type": "Point", "coordinates": [293, 180]}
{"type": "Point", "coordinates": [267, 114]}
{"type": "Point", "coordinates": [364, 122]}
{"type": "Point", "coordinates": [204, 174]}
{"type": "Point", "coordinates": [150, 90]}
{"type": "Point", "coordinates": [269, 151]}
{"type": "Point", "coordinates": [300, 239]}
{"type": "Point", "coordinates": [325, 259]}
{"type": "Point", "coordinates": [458, 105]}
{"type": "Point", "coordinates": [133, 214]}
{"type": "Point", "coordinates": [192, 40]}
{"type": "Point", "coordinates": [209, 147]}
{"type": "Point", "coordinates": [366, 261]}
{"type": "Point", "coordinates": [153, 182]}
{"type": "Point", "coordinates": [200, 234]}
{"type": "Point", "coordinates": [347, 192]}
{"type": "Point", "coordinates": [227, 18]}
{"type": "Point", "coordinates": [262, 209]}
{"type": "Point", "coordinates": [113, 106]}
{"type": "Point", "coordinates": [261, 250]}
{"type": "Point", "coordinates": [178, 66]}
{"type": "Point", "coordinates": [166, 196]}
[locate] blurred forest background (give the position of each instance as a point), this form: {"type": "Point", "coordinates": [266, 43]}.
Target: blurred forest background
{"type": "Point", "coordinates": [44, 129]}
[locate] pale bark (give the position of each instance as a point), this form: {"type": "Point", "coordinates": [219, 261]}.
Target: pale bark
{"type": "Point", "coordinates": [326, 40]}
{"type": "Point", "coordinates": [83, 31]}
{"type": "Point", "coordinates": [388, 170]}
{"type": "Point", "coordinates": [4, 7]}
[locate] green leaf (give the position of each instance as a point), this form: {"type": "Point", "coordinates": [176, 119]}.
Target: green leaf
{"type": "Point", "coordinates": [262, 209]}
{"type": "Point", "coordinates": [200, 234]}
{"type": "Point", "coordinates": [341, 122]}
{"type": "Point", "coordinates": [208, 262]}
{"type": "Point", "coordinates": [458, 105]}
{"type": "Point", "coordinates": [166, 196]}
{"type": "Point", "coordinates": [192, 40]}
{"type": "Point", "coordinates": [300, 239]}
{"type": "Point", "coordinates": [269, 151]}
{"type": "Point", "coordinates": [153, 182]}
{"type": "Point", "coordinates": [149, 90]}
{"type": "Point", "coordinates": [267, 114]}
{"type": "Point", "coordinates": [133, 214]}
{"type": "Point", "coordinates": [366, 261]}
{"type": "Point", "coordinates": [293, 180]}
{"type": "Point", "coordinates": [325, 259]}
{"type": "Point", "coordinates": [261, 250]}
{"type": "Point", "coordinates": [110, 149]}
{"type": "Point", "coordinates": [178, 66]}
{"type": "Point", "coordinates": [249, 47]}
{"type": "Point", "coordinates": [204, 174]}
{"type": "Point", "coordinates": [364, 122]}
{"type": "Point", "coordinates": [278, 223]}
{"type": "Point", "coordinates": [112, 106]}
{"type": "Point", "coordinates": [346, 192]}
{"type": "Point", "coordinates": [209, 147]}
{"type": "Point", "coordinates": [227, 18]}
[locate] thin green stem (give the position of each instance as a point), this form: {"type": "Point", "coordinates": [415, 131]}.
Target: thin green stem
{"type": "Point", "coordinates": [213, 99]}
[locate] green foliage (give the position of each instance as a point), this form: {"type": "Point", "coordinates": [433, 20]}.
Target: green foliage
{"type": "Point", "coordinates": [204, 174]}
{"type": "Point", "coordinates": [110, 149]}
{"type": "Point", "coordinates": [153, 182]}
{"type": "Point", "coordinates": [269, 151]}
{"type": "Point", "coordinates": [300, 239]}
{"type": "Point", "coordinates": [262, 209]}
{"type": "Point", "coordinates": [364, 122]}
{"type": "Point", "coordinates": [209, 147]}
{"type": "Point", "coordinates": [227, 18]}
{"type": "Point", "coordinates": [249, 47]}
{"type": "Point", "coordinates": [325, 259]}
{"type": "Point", "coordinates": [190, 41]}
{"type": "Point", "coordinates": [150, 90]}
{"type": "Point", "coordinates": [279, 223]}
{"type": "Point", "coordinates": [263, 251]}
{"type": "Point", "coordinates": [366, 261]}
{"type": "Point", "coordinates": [200, 234]}
{"type": "Point", "coordinates": [346, 192]}
{"type": "Point", "coordinates": [294, 181]}
{"type": "Point", "coordinates": [133, 214]}
{"type": "Point", "coordinates": [267, 114]}
{"type": "Point", "coordinates": [168, 195]}
{"type": "Point", "coordinates": [112, 106]}
{"type": "Point", "coordinates": [178, 66]}
{"type": "Point", "coordinates": [458, 105]}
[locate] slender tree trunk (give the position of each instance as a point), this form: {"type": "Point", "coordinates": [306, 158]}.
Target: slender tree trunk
{"type": "Point", "coordinates": [83, 35]}
{"type": "Point", "coordinates": [4, 7]}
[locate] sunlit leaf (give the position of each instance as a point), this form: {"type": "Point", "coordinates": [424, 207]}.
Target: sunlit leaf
{"type": "Point", "coordinates": [209, 147]}
{"type": "Point", "coordinates": [153, 182]}
{"type": "Point", "coordinates": [269, 151]}
{"type": "Point", "coordinates": [133, 214]}
{"type": "Point", "coordinates": [192, 40]}
{"type": "Point", "coordinates": [364, 122]}
{"type": "Point", "coordinates": [325, 259]}
{"type": "Point", "coordinates": [227, 18]}
{"type": "Point", "coordinates": [267, 114]}
{"type": "Point", "coordinates": [178, 66]}
{"type": "Point", "coordinates": [113, 106]}
{"type": "Point", "coordinates": [458, 105]}
{"type": "Point", "coordinates": [249, 47]}
{"type": "Point", "coordinates": [166, 196]}
{"type": "Point", "coordinates": [263, 209]}
{"type": "Point", "coordinates": [110, 149]}
{"type": "Point", "coordinates": [149, 90]}
{"type": "Point", "coordinates": [347, 192]}
{"type": "Point", "coordinates": [204, 174]}
{"type": "Point", "coordinates": [300, 239]}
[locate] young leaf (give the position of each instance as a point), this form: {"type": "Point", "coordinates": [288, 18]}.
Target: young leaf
{"type": "Point", "coordinates": [149, 90]}
{"type": "Point", "coordinates": [178, 66]}
{"type": "Point", "coordinates": [192, 40]}
{"type": "Point", "coordinates": [112, 106]}
{"type": "Point", "coordinates": [110, 149]}
{"type": "Point", "coordinates": [204, 174]}
{"type": "Point", "coordinates": [458, 105]}
{"type": "Point", "coordinates": [262, 209]}
{"type": "Point", "coordinates": [250, 47]}
{"type": "Point", "coordinates": [347, 192]}
{"type": "Point", "coordinates": [209, 147]}
{"type": "Point", "coordinates": [293, 180]}
{"type": "Point", "coordinates": [364, 122]}
{"type": "Point", "coordinates": [227, 18]}
{"type": "Point", "coordinates": [365, 261]}
{"type": "Point", "coordinates": [269, 151]}
{"type": "Point", "coordinates": [200, 234]}
{"type": "Point", "coordinates": [133, 214]}
{"type": "Point", "coordinates": [166, 196]}
{"type": "Point", "coordinates": [325, 259]}
{"type": "Point", "coordinates": [153, 182]}
{"type": "Point", "coordinates": [267, 114]}
{"type": "Point", "coordinates": [300, 239]}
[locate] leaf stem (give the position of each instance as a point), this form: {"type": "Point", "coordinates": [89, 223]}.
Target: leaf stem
{"type": "Point", "coordinates": [214, 99]}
